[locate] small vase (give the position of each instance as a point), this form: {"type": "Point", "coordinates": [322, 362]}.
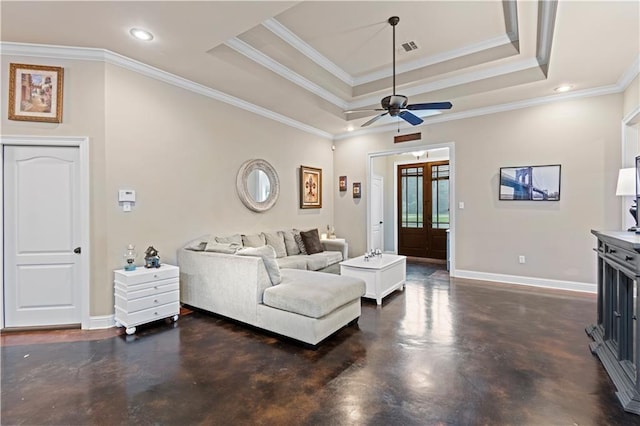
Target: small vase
{"type": "Point", "coordinates": [130, 258]}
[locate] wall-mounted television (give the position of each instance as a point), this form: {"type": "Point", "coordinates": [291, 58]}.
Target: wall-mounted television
{"type": "Point", "coordinates": [530, 183]}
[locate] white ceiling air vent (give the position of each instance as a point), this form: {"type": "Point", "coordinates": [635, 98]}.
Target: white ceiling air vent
{"type": "Point", "coordinates": [409, 46]}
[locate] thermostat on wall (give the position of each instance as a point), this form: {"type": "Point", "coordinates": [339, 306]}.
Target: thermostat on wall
{"type": "Point", "coordinates": [127, 197]}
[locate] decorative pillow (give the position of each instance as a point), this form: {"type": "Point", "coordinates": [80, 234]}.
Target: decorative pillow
{"type": "Point", "coordinates": [268, 255]}
{"type": "Point", "coordinates": [230, 248]}
{"type": "Point", "coordinates": [301, 247]}
{"type": "Point", "coordinates": [255, 240]}
{"type": "Point", "coordinates": [290, 243]}
{"type": "Point", "coordinates": [197, 246]}
{"type": "Point", "coordinates": [311, 241]}
{"type": "Point", "coordinates": [276, 240]}
{"type": "Point", "coordinates": [236, 238]}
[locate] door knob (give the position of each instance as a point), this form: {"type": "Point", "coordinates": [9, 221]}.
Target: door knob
{"type": "Point", "coordinates": [77, 250]}
{"type": "Point", "coordinates": [380, 222]}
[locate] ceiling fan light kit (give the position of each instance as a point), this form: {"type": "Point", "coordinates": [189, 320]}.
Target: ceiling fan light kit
{"type": "Point", "coordinates": [398, 105]}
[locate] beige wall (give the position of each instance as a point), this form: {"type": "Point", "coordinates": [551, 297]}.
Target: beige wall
{"type": "Point", "coordinates": [180, 151]}
{"type": "Point", "coordinates": [581, 135]}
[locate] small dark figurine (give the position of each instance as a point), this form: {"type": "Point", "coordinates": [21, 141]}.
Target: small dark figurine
{"type": "Point", "coordinates": [151, 258]}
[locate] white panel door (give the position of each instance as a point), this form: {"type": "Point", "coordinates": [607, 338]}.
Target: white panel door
{"type": "Point", "coordinates": [377, 213]}
{"type": "Point", "coordinates": [41, 231]}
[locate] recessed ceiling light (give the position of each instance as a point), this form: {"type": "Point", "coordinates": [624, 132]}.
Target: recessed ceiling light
{"type": "Point", "coordinates": [350, 128]}
{"type": "Point", "coordinates": [564, 88]}
{"type": "Point", "coordinates": [141, 34]}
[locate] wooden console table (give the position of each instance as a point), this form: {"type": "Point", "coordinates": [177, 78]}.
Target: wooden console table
{"type": "Point", "coordinates": [615, 334]}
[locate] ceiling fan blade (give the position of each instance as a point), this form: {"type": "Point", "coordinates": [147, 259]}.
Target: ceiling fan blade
{"type": "Point", "coordinates": [374, 119]}
{"type": "Point", "coordinates": [363, 110]}
{"type": "Point", "coordinates": [430, 105]}
{"type": "Point", "coordinates": [410, 118]}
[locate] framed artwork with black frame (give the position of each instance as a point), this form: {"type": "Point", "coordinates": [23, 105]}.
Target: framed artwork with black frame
{"type": "Point", "coordinates": [530, 183]}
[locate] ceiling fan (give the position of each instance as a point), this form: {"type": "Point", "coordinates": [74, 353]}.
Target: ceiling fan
{"type": "Point", "coordinates": [396, 105]}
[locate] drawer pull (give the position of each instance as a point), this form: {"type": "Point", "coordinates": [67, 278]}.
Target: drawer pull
{"type": "Point", "coordinates": [627, 258]}
{"type": "Point", "coordinates": [155, 286]}
{"type": "Point", "coordinates": [155, 301]}
{"type": "Point", "coordinates": [612, 250]}
{"type": "Point", "coordinates": [155, 275]}
{"type": "Point", "coordinates": [155, 313]}
{"type": "Point", "coordinates": [616, 314]}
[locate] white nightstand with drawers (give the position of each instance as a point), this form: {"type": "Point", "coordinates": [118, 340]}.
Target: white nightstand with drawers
{"type": "Point", "coordinates": [146, 295]}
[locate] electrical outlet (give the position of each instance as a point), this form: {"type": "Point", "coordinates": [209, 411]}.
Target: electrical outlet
{"type": "Point", "coordinates": [521, 259]}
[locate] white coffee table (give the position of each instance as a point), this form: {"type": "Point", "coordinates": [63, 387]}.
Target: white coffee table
{"type": "Point", "coordinates": [383, 274]}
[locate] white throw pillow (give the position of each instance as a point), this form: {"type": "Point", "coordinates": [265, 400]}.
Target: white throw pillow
{"type": "Point", "coordinates": [268, 255]}
{"type": "Point", "coordinates": [276, 240]}
{"type": "Point", "coordinates": [235, 238]}
{"type": "Point", "coordinates": [230, 248]}
{"type": "Point", "coordinates": [255, 240]}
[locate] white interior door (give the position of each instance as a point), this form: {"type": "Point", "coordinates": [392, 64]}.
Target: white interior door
{"type": "Point", "coordinates": [377, 213]}
{"type": "Point", "coordinates": [41, 231]}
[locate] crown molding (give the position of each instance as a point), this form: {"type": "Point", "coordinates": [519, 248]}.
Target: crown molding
{"type": "Point", "coordinates": [511, 19]}
{"type": "Point", "coordinates": [301, 46]}
{"type": "Point", "coordinates": [511, 24]}
{"type": "Point", "coordinates": [434, 59]}
{"type": "Point", "coordinates": [546, 24]}
{"type": "Point", "coordinates": [93, 54]}
{"type": "Point", "coordinates": [478, 112]}
{"type": "Point", "coordinates": [275, 66]}
{"type": "Point", "coordinates": [631, 73]}
{"type": "Point", "coordinates": [454, 81]}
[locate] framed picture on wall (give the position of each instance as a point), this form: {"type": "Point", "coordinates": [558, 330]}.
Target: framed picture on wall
{"type": "Point", "coordinates": [342, 183]}
{"type": "Point", "coordinates": [530, 183]}
{"type": "Point", "coordinates": [357, 193]}
{"type": "Point", "coordinates": [310, 187]}
{"type": "Point", "coordinates": [35, 93]}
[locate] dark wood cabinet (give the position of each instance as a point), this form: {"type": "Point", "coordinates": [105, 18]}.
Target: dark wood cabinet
{"type": "Point", "coordinates": [615, 334]}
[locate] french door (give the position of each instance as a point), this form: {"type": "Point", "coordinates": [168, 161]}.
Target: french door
{"type": "Point", "coordinates": [423, 209]}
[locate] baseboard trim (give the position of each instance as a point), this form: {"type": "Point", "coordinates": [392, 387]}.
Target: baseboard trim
{"type": "Point", "coordinates": [101, 321]}
{"type": "Point", "coordinates": [528, 281]}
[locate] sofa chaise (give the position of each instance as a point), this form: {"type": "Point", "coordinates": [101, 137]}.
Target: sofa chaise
{"type": "Point", "coordinates": [250, 285]}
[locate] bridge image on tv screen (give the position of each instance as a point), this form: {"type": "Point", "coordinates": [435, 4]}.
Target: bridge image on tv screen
{"type": "Point", "coordinates": [530, 183]}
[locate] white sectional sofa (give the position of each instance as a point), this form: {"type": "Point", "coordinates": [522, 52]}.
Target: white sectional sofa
{"type": "Point", "coordinates": [299, 303]}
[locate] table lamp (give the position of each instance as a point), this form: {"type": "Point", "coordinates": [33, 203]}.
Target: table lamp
{"type": "Point", "coordinates": [627, 187]}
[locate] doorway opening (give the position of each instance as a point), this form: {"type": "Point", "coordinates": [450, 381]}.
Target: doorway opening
{"type": "Point", "coordinates": [423, 209]}
{"type": "Point", "coordinates": [437, 195]}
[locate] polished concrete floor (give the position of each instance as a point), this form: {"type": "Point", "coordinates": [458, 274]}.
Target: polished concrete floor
{"type": "Point", "coordinates": [442, 352]}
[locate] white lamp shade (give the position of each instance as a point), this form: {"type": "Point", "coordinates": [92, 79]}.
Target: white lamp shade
{"type": "Point", "coordinates": [626, 182]}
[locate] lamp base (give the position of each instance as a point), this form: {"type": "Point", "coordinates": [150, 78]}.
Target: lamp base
{"type": "Point", "coordinates": [634, 213]}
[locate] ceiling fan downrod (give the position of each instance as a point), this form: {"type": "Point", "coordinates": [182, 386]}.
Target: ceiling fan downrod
{"type": "Point", "coordinates": [393, 21]}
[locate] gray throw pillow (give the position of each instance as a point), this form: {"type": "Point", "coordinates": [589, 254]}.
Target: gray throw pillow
{"type": "Point", "coordinates": [255, 240]}
{"type": "Point", "coordinates": [311, 241]}
{"type": "Point", "coordinates": [268, 256]}
{"type": "Point", "coordinates": [300, 243]}
{"type": "Point", "coordinates": [197, 246]}
{"type": "Point", "coordinates": [276, 240]}
{"type": "Point", "coordinates": [235, 238]}
{"type": "Point", "coordinates": [230, 248]}
{"type": "Point", "coordinates": [290, 242]}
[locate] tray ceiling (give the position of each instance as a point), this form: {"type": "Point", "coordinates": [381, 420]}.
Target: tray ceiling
{"type": "Point", "coordinates": [307, 62]}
